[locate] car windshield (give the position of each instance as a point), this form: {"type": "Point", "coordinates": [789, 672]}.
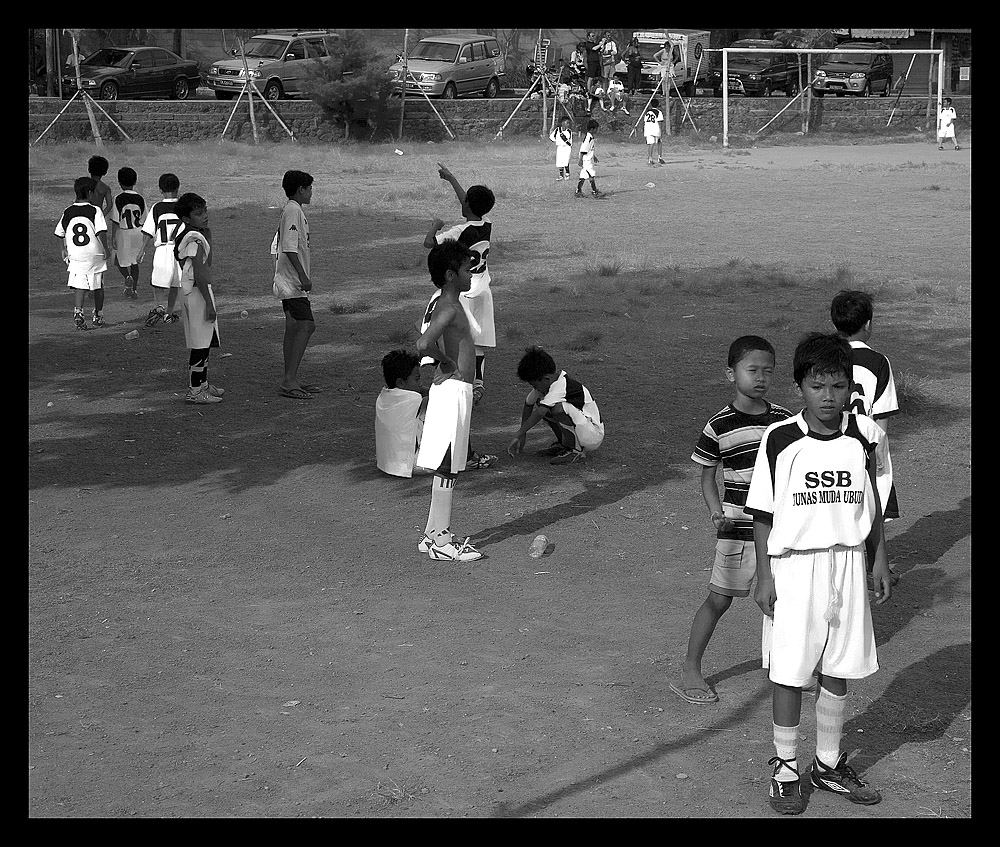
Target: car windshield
{"type": "Point", "coordinates": [109, 58]}
{"type": "Point", "coordinates": [264, 48]}
{"type": "Point", "coordinates": [848, 58]}
{"type": "Point", "coordinates": [435, 50]}
{"type": "Point", "coordinates": [748, 58]}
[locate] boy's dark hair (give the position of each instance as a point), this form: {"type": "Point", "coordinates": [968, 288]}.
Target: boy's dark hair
{"type": "Point", "coordinates": [97, 165]}
{"type": "Point", "coordinates": [479, 199]}
{"type": "Point", "coordinates": [746, 344]}
{"type": "Point", "coordinates": [850, 311]}
{"type": "Point", "coordinates": [292, 181]}
{"type": "Point", "coordinates": [821, 354]}
{"type": "Point", "coordinates": [169, 182]}
{"type": "Point", "coordinates": [448, 255]}
{"type": "Point", "coordinates": [655, 102]}
{"type": "Point", "coordinates": [187, 203]}
{"type": "Point", "coordinates": [127, 177]}
{"type": "Point", "coordinates": [82, 186]}
{"type": "Point", "coordinates": [398, 364]}
{"type": "Point", "coordinates": [946, 100]}
{"type": "Point", "coordinates": [534, 364]}
{"type": "Point", "coordinates": [592, 124]}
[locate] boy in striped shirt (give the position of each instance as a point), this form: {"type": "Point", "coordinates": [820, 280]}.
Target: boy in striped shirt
{"type": "Point", "coordinates": [730, 438]}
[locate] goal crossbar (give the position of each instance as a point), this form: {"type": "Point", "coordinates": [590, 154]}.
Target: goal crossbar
{"type": "Point", "coordinates": [803, 51]}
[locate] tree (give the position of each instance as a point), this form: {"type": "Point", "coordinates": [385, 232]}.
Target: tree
{"type": "Point", "coordinates": [352, 85]}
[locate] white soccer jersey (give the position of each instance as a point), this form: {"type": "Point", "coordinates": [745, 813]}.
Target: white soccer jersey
{"type": "Point", "coordinates": [128, 209]}
{"type": "Point", "coordinates": [292, 237]}
{"type": "Point", "coordinates": [946, 117]}
{"type": "Point", "coordinates": [588, 150]}
{"type": "Point", "coordinates": [873, 390]}
{"type": "Point", "coordinates": [161, 225]}
{"type": "Point", "coordinates": [187, 250]}
{"type": "Point", "coordinates": [565, 389]}
{"type": "Point", "coordinates": [79, 226]}
{"type": "Point", "coordinates": [820, 490]}
{"type": "Point", "coordinates": [478, 300]}
{"type": "Point", "coordinates": [563, 139]}
{"type": "Point", "coordinates": [651, 120]}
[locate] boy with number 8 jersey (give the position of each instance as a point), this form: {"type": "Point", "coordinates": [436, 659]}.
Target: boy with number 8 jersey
{"type": "Point", "coordinates": [159, 229]}
{"type": "Point", "coordinates": [85, 249]}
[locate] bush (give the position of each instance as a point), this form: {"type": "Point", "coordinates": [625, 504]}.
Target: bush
{"type": "Point", "coordinates": [352, 87]}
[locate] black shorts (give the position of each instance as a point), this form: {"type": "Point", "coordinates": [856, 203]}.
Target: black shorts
{"type": "Point", "coordinates": [299, 308]}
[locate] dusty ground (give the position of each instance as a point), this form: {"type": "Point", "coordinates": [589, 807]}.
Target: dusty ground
{"type": "Point", "coordinates": [226, 612]}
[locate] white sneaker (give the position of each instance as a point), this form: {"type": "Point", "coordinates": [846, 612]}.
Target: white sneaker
{"type": "Point", "coordinates": [215, 391]}
{"type": "Point", "coordinates": [202, 396]}
{"type": "Point", "coordinates": [452, 552]}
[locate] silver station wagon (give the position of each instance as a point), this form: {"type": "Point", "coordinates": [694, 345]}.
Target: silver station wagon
{"type": "Point", "coordinates": [450, 65]}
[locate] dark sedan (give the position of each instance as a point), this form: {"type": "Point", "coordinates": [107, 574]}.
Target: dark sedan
{"type": "Point", "coordinates": [134, 72]}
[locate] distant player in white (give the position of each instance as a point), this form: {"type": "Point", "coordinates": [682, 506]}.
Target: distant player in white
{"type": "Point", "coordinates": [84, 234]}
{"type": "Point", "coordinates": [562, 137]}
{"type": "Point", "coordinates": [946, 124]}
{"type": "Point", "coordinates": [588, 159]}
{"type": "Point", "coordinates": [816, 494]}
{"type": "Point", "coordinates": [127, 211]}
{"type": "Point", "coordinates": [159, 229]}
{"type": "Point", "coordinates": [652, 119]}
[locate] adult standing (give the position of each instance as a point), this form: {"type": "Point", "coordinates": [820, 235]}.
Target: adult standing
{"type": "Point", "coordinates": [667, 58]}
{"type": "Point", "coordinates": [609, 58]}
{"type": "Point", "coordinates": [633, 63]}
{"type": "Point", "coordinates": [593, 53]}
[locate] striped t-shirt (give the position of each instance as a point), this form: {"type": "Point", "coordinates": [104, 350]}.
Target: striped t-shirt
{"type": "Point", "coordinates": [732, 438]}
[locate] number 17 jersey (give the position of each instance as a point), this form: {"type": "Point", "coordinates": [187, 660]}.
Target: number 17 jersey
{"type": "Point", "coordinates": [161, 225]}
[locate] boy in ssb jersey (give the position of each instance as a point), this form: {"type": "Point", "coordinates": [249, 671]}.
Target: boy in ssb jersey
{"type": "Point", "coordinates": [159, 229]}
{"type": "Point", "coordinates": [84, 235]}
{"type": "Point", "coordinates": [817, 493]}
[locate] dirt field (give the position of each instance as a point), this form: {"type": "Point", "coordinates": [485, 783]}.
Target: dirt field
{"type": "Point", "coordinates": [227, 615]}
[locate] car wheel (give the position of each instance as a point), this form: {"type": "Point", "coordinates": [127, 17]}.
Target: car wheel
{"type": "Point", "coordinates": [450, 92]}
{"type": "Point", "coordinates": [716, 92]}
{"type": "Point", "coordinates": [224, 95]}
{"type": "Point", "coordinates": [272, 91]}
{"type": "Point", "coordinates": [793, 88]}
{"type": "Point", "coordinates": [867, 90]}
{"type": "Point", "coordinates": [888, 88]}
{"type": "Point", "coordinates": [181, 89]}
{"type": "Point", "coordinates": [818, 93]}
{"type": "Point", "coordinates": [108, 91]}
{"type": "Point", "coordinates": [492, 88]}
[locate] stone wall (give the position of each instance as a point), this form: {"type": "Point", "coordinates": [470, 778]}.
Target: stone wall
{"type": "Point", "coordinates": [173, 121]}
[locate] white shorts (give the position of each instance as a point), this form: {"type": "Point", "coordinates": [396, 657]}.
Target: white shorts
{"type": "Point", "coordinates": [166, 271]}
{"type": "Point", "coordinates": [589, 434]}
{"type": "Point", "coordinates": [199, 333]}
{"type": "Point", "coordinates": [86, 282]}
{"type": "Point", "coordinates": [588, 172]}
{"type": "Point", "coordinates": [128, 244]}
{"type": "Point", "coordinates": [562, 157]}
{"type": "Point", "coordinates": [652, 139]}
{"type": "Point", "coordinates": [446, 424]}
{"type": "Point", "coordinates": [947, 132]}
{"type": "Point", "coordinates": [812, 586]}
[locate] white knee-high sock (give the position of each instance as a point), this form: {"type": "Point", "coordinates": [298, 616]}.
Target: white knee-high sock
{"type": "Point", "coordinates": [830, 709]}
{"type": "Point", "coordinates": [439, 517]}
{"type": "Point", "coordinates": [786, 740]}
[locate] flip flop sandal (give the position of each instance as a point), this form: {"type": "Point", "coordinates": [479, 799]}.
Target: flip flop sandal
{"type": "Point", "coordinates": [295, 393]}
{"type": "Point", "coordinates": [311, 389]}
{"type": "Point", "coordinates": [698, 701]}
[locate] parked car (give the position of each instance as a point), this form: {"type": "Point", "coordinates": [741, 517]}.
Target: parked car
{"type": "Point", "coordinates": [759, 74]}
{"type": "Point", "coordinates": [134, 72]}
{"type": "Point", "coordinates": [855, 73]}
{"type": "Point", "coordinates": [450, 65]}
{"type": "Point", "coordinates": [279, 63]}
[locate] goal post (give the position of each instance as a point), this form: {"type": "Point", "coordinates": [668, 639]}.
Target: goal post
{"type": "Point", "coordinates": [812, 51]}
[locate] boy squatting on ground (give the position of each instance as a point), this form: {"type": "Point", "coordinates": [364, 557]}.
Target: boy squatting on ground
{"type": "Point", "coordinates": [565, 404]}
{"type": "Point", "coordinates": [127, 211]}
{"type": "Point", "coordinates": [201, 326]}
{"type": "Point", "coordinates": [587, 160]}
{"type": "Point", "coordinates": [292, 282]}
{"type": "Point", "coordinates": [817, 490]}
{"type": "Point", "coordinates": [84, 235]}
{"type": "Point", "coordinates": [475, 234]}
{"type": "Point", "coordinates": [445, 439]}
{"type": "Point", "coordinates": [159, 229]}
{"type": "Point", "coordinates": [873, 389]}
{"type": "Point", "coordinates": [730, 438]}
{"type": "Point", "coordinates": [399, 414]}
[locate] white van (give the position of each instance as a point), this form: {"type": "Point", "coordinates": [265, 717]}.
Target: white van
{"type": "Point", "coordinates": [692, 44]}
